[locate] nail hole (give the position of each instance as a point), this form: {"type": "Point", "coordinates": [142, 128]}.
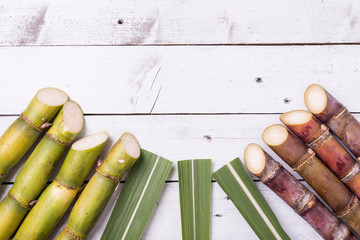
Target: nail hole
{"type": "Point", "coordinates": [207, 137]}
{"type": "Point", "coordinates": [258, 80]}
{"type": "Point", "coordinates": [120, 21]}
{"type": "Point", "coordinates": [218, 215]}
{"type": "Point", "coordinates": [287, 100]}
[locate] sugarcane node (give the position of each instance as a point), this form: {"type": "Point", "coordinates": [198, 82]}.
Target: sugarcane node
{"type": "Point", "coordinates": [319, 141]}
{"type": "Point", "coordinates": [306, 159]}
{"type": "Point", "coordinates": [270, 175]}
{"type": "Point", "coordinates": [348, 208]}
{"type": "Point", "coordinates": [115, 179]}
{"type": "Point", "coordinates": [45, 126]}
{"type": "Point", "coordinates": [57, 140]}
{"type": "Point", "coordinates": [333, 228]}
{"type": "Point", "coordinates": [32, 203]}
{"type": "Point", "coordinates": [99, 162]}
{"type": "Point", "coordinates": [347, 234]}
{"type": "Point", "coordinates": [340, 122]}
{"type": "Point", "coordinates": [353, 171]}
{"type": "Point", "coordinates": [305, 202]}
{"type": "Point", "coordinates": [66, 186]}
{"type": "Point", "coordinates": [337, 116]}
{"type": "Point", "coordinates": [70, 234]}
{"type": "Point", "coordinates": [22, 205]}
{"type": "Point", "coordinates": [30, 123]}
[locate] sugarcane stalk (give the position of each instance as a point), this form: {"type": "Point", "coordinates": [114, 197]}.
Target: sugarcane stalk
{"type": "Point", "coordinates": [335, 116]}
{"type": "Point", "coordinates": [317, 136]}
{"type": "Point", "coordinates": [303, 160]}
{"type": "Point", "coordinates": [58, 196]}
{"type": "Point", "coordinates": [35, 173]}
{"type": "Point", "coordinates": [295, 194]}
{"type": "Point", "coordinates": [101, 186]}
{"type": "Point", "coordinates": [24, 131]}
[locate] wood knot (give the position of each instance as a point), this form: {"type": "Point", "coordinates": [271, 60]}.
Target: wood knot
{"type": "Point", "coordinates": [207, 137]}
{"type": "Point", "coordinates": [287, 100]}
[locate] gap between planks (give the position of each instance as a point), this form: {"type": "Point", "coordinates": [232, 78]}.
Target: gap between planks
{"type": "Point", "coordinates": [166, 114]}
{"type": "Point", "coordinates": [189, 45]}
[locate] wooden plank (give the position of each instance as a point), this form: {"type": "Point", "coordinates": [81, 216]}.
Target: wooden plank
{"type": "Point", "coordinates": [226, 221]}
{"type": "Point", "coordinates": [83, 22]}
{"type": "Point", "coordinates": [180, 79]}
{"type": "Point", "coordinates": [219, 137]}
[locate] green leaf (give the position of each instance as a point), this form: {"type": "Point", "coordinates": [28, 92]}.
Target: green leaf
{"type": "Point", "coordinates": [195, 198]}
{"type": "Point", "coordinates": [138, 197]}
{"type": "Point", "coordinates": [238, 185]}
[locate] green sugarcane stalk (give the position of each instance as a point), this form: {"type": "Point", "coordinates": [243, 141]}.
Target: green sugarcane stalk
{"type": "Point", "coordinates": [98, 191]}
{"type": "Point", "coordinates": [37, 170]}
{"type": "Point", "coordinates": [24, 131]}
{"type": "Point", "coordinates": [57, 197]}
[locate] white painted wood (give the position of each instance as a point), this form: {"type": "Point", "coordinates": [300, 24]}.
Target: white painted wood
{"type": "Point", "coordinates": [173, 80]}
{"type": "Point", "coordinates": [226, 221]}
{"type": "Point", "coordinates": [180, 79]}
{"type": "Point", "coordinates": [219, 137]}
{"type": "Point", "coordinates": [82, 22]}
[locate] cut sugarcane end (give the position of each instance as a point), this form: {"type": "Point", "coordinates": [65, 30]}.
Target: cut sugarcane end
{"type": "Point", "coordinates": [254, 158]}
{"type": "Point", "coordinates": [296, 117]}
{"type": "Point", "coordinates": [275, 135]}
{"type": "Point", "coordinates": [90, 141]}
{"type": "Point", "coordinates": [130, 145]}
{"type": "Point", "coordinates": [315, 98]}
{"type": "Point", "coordinates": [73, 117]}
{"type": "Point", "coordinates": [52, 96]}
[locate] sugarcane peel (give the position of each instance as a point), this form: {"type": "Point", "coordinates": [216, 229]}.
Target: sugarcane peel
{"type": "Point", "coordinates": [334, 115]}
{"type": "Point", "coordinates": [296, 195]}
{"type": "Point", "coordinates": [36, 171]}
{"type": "Point", "coordinates": [24, 131]}
{"type": "Point", "coordinates": [317, 136]}
{"type": "Point", "coordinates": [319, 177]}
{"type": "Point", "coordinates": [57, 197]}
{"type": "Point", "coordinates": [101, 186]}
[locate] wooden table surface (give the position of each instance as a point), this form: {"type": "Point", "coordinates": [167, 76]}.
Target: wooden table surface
{"type": "Point", "coordinates": [191, 79]}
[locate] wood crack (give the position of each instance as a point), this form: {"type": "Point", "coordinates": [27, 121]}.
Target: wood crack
{"type": "Point", "coordinates": [156, 99]}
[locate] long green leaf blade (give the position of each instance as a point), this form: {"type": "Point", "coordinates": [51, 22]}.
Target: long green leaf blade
{"type": "Point", "coordinates": [138, 197]}
{"type": "Point", "coordinates": [195, 198]}
{"type": "Point", "coordinates": [238, 185]}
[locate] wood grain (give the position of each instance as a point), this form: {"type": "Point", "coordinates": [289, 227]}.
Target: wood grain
{"type": "Point", "coordinates": [82, 22]}
{"type": "Point", "coordinates": [149, 80]}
